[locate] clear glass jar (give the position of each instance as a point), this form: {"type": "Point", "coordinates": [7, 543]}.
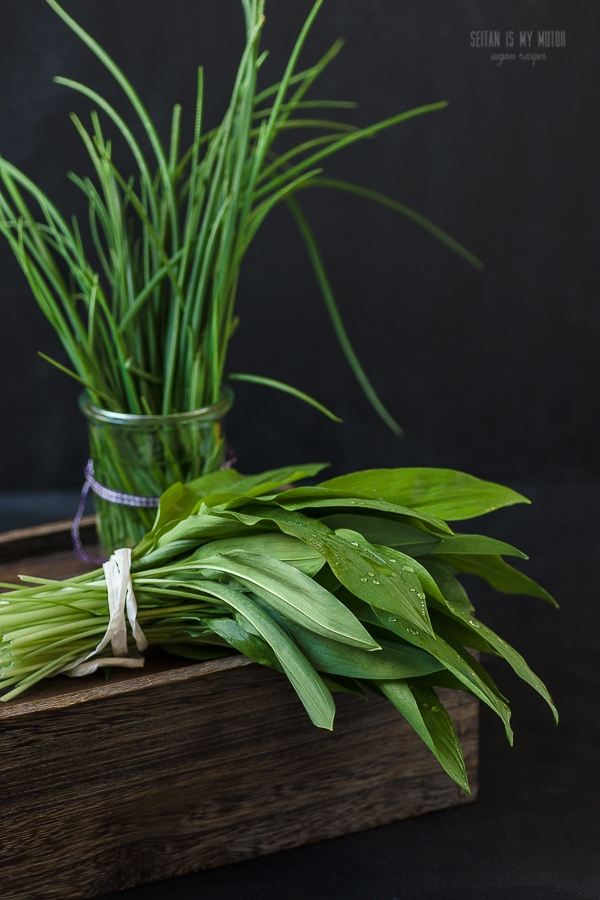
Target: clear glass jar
{"type": "Point", "coordinates": [143, 455]}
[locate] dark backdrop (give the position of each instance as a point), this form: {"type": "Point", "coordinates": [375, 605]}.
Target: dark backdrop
{"type": "Point", "coordinates": [495, 373]}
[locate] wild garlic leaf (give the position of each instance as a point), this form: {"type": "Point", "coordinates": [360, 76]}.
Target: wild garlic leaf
{"type": "Point", "coordinates": [320, 498]}
{"type": "Point", "coordinates": [464, 670]}
{"type": "Point", "coordinates": [266, 482]}
{"type": "Point", "coordinates": [307, 683]}
{"type": "Point", "coordinates": [388, 532]}
{"type": "Point", "coordinates": [512, 657]}
{"type": "Point", "coordinates": [455, 632]}
{"type": "Point", "coordinates": [221, 480]}
{"type": "Point", "coordinates": [401, 562]}
{"type": "Point", "coordinates": [423, 709]}
{"type": "Point", "coordinates": [344, 685]}
{"type": "Point", "coordinates": [251, 645]}
{"type": "Point", "coordinates": [475, 544]}
{"type": "Point", "coordinates": [450, 586]}
{"type": "Point", "coordinates": [174, 505]}
{"type": "Point", "coordinates": [394, 660]}
{"type": "Point", "coordinates": [359, 568]}
{"type": "Point", "coordinates": [292, 594]}
{"type": "Point", "coordinates": [275, 544]}
{"type": "Point", "coordinates": [498, 573]}
{"type": "Point", "coordinates": [164, 554]}
{"type": "Point", "coordinates": [445, 493]}
{"type": "Point", "coordinates": [202, 528]}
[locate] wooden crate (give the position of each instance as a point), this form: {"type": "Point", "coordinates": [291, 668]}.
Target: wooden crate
{"type": "Point", "coordinates": [107, 785]}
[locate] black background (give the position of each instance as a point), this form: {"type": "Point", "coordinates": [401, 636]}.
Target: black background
{"type": "Point", "coordinates": [494, 373]}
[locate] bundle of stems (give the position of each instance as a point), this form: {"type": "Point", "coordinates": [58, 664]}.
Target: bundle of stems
{"type": "Point", "coordinates": [146, 317]}
{"type": "Point", "coordinates": [351, 585]}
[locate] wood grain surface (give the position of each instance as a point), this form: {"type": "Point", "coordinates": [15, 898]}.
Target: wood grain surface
{"type": "Point", "coordinates": [111, 784]}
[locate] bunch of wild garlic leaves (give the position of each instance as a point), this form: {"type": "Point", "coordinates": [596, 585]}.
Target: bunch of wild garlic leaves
{"type": "Point", "coordinates": [349, 585]}
{"type": "Point", "coordinates": [145, 314]}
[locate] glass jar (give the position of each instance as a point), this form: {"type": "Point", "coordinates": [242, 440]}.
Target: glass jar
{"type": "Point", "coordinates": [143, 455]}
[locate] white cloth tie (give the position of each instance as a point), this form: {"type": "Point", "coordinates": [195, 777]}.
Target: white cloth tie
{"type": "Point", "coordinates": [117, 571]}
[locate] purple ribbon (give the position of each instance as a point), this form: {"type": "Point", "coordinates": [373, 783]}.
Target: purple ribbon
{"type": "Point", "coordinates": [119, 497]}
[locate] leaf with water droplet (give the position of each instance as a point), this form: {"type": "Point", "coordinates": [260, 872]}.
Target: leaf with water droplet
{"type": "Point", "coordinates": [292, 593]}
{"type": "Point", "coordinates": [321, 497]}
{"type": "Point", "coordinates": [393, 533]}
{"type": "Point", "coordinates": [480, 686]}
{"type": "Point", "coordinates": [434, 726]}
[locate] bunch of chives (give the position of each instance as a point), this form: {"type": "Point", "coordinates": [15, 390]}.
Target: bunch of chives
{"type": "Point", "coordinates": [146, 312]}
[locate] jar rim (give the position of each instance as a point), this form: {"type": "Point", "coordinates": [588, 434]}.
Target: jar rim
{"type": "Point", "coordinates": [131, 420]}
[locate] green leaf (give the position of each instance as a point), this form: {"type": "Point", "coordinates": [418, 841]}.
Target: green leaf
{"type": "Point", "coordinates": [455, 632]}
{"type": "Point", "coordinates": [450, 586]}
{"type": "Point", "coordinates": [512, 657]}
{"type": "Point", "coordinates": [394, 660]}
{"type": "Point", "coordinates": [221, 480]}
{"type": "Point", "coordinates": [445, 493]}
{"type": "Point", "coordinates": [202, 528]}
{"type": "Point", "coordinates": [266, 482]}
{"type": "Point", "coordinates": [475, 544]}
{"type": "Point", "coordinates": [320, 497]}
{"type": "Point", "coordinates": [273, 544]}
{"type": "Point", "coordinates": [388, 532]}
{"type": "Point", "coordinates": [422, 709]}
{"type": "Point", "coordinates": [251, 645]}
{"type": "Point", "coordinates": [399, 562]}
{"type": "Point", "coordinates": [177, 505]}
{"type": "Point", "coordinates": [344, 685]}
{"type": "Point", "coordinates": [443, 679]}
{"type": "Point", "coordinates": [362, 570]}
{"type": "Point", "coordinates": [292, 594]}
{"type": "Point", "coordinates": [499, 574]}
{"type": "Point", "coordinates": [162, 555]}
{"type": "Point", "coordinates": [464, 669]}
{"type": "Point", "coordinates": [174, 505]}
{"type": "Point", "coordinates": [309, 686]}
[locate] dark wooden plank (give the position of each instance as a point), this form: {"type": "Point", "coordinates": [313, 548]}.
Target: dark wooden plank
{"type": "Point", "coordinates": [200, 772]}
{"type": "Point", "coordinates": [179, 767]}
{"type": "Point", "coordinates": [23, 543]}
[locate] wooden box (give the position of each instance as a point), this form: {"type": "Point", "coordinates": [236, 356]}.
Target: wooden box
{"type": "Point", "coordinates": [107, 785]}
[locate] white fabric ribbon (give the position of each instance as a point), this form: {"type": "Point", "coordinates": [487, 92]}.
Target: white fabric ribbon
{"type": "Point", "coordinates": [117, 571]}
